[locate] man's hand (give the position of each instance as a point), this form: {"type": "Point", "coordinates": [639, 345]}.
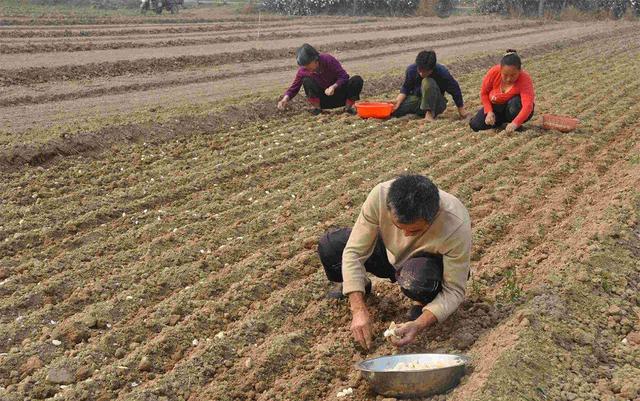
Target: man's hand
{"type": "Point", "coordinates": [408, 332]}
{"type": "Point", "coordinates": [282, 104]}
{"type": "Point", "coordinates": [361, 323]}
{"type": "Point", "coordinates": [330, 90]}
{"type": "Point", "coordinates": [464, 114]}
{"type": "Point", "coordinates": [361, 328]}
{"type": "Point", "coordinates": [405, 334]}
{"type": "Point", "coordinates": [511, 128]}
{"type": "Point", "coordinates": [490, 119]}
{"type": "Point", "coordinates": [401, 97]}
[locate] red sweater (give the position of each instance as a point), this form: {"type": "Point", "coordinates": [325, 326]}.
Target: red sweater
{"type": "Point", "coordinates": [491, 93]}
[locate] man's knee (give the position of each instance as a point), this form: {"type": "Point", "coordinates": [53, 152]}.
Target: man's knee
{"type": "Point", "coordinates": [330, 248]}
{"type": "Point", "coordinates": [429, 84]}
{"type": "Point", "coordinates": [420, 278]}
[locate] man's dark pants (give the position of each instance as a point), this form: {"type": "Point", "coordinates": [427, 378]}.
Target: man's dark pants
{"type": "Point", "coordinates": [348, 93]}
{"type": "Point", "coordinates": [505, 113]}
{"type": "Point", "coordinates": [420, 278]}
{"type": "Point", "coordinates": [431, 100]}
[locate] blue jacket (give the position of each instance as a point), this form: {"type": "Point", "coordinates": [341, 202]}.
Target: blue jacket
{"type": "Point", "coordinates": [413, 83]}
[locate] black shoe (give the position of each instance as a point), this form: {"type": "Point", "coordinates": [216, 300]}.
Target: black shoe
{"type": "Point", "coordinates": [336, 291]}
{"type": "Point", "coordinates": [315, 112]}
{"type": "Point", "coordinates": [350, 110]}
{"type": "Point", "coordinates": [414, 312]}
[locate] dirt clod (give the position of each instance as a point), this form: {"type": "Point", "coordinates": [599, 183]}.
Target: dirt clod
{"type": "Point", "coordinates": [83, 373]}
{"type": "Point", "coordinates": [90, 321]}
{"type": "Point", "coordinates": [60, 376]}
{"type": "Point", "coordinates": [260, 387]}
{"type": "Point", "coordinates": [614, 310]}
{"type": "Point", "coordinates": [145, 364]}
{"type": "Point", "coordinates": [72, 333]}
{"type": "Point", "coordinates": [32, 364]}
{"type": "Point", "coordinates": [173, 320]}
{"type": "Point", "coordinates": [633, 338]}
{"type": "Point", "coordinates": [463, 340]}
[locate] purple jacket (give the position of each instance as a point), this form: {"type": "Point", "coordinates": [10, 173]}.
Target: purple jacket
{"type": "Point", "coordinates": [329, 72]}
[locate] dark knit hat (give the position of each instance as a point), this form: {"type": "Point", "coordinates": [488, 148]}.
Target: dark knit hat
{"type": "Point", "coordinates": [306, 54]}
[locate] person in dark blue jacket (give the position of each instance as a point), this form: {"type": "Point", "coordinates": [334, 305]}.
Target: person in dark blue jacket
{"type": "Point", "coordinates": [422, 92]}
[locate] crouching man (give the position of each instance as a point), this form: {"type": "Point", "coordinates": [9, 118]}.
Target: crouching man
{"type": "Point", "coordinates": [411, 233]}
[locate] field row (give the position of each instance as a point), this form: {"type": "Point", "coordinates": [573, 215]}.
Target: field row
{"type": "Point", "coordinates": [162, 39]}
{"type": "Point", "coordinates": [241, 54]}
{"type": "Point", "coordinates": [136, 31]}
{"type": "Point", "coordinates": [57, 21]}
{"type": "Point", "coordinates": [177, 242]}
{"type": "Point", "coordinates": [260, 108]}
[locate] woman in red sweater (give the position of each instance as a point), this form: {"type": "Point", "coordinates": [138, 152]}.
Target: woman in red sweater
{"type": "Point", "coordinates": [507, 96]}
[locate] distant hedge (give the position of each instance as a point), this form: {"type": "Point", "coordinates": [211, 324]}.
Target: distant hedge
{"type": "Point", "coordinates": [558, 8]}
{"type": "Point", "coordinates": [374, 7]}
{"type": "Point", "coordinates": [100, 4]}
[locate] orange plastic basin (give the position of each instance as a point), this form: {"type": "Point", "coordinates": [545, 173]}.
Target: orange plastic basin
{"type": "Point", "coordinates": [374, 109]}
{"type": "Point", "coordinates": [559, 123]}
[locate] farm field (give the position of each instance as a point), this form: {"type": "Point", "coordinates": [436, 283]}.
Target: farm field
{"type": "Point", "coordinates": [61, 78]}
{"type": "Point", "coordinates": [160, 220]}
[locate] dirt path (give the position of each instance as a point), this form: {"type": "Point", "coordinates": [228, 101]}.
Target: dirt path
{"type": "Point", "coordinates": [21, 118]}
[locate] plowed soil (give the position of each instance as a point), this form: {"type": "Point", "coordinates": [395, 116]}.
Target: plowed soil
{"type": "Point", "coordinates": [174, 258]}
{"type": "Point", "coordinates": [188, 79]}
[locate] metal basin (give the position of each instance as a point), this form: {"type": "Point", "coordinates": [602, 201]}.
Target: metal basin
{"type": "Point", "coordinates": [413, 383]}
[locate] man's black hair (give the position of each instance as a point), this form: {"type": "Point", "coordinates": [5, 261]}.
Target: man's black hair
{"type": "Point", "coordinates": [426, 60]}
{"type": "Point", "coordinates": [413, 197]}
{"type": "Point", "coordinates": [306, 54]}
{"type": "Point", "coordinates": [511, 58]}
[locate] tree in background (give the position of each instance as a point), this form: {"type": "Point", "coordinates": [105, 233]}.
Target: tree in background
{"type": "Point", "coordinates": [310, 7]}
{"type": "Point", "coordinates": [432, 8]}
{"type": "Point", "coordinates": [541, 8]}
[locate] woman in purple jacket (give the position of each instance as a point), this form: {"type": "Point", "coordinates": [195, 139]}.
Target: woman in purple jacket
{"type": "Point", "coordinates": [326, 84]}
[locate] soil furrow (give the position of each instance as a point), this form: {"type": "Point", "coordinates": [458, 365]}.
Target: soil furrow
{"type": "Point", "coordinates": [251, 36]}
{"type": "Point", "coordinates": [157, 65]}
{"type": "Point", "coordinates": [92, 142]}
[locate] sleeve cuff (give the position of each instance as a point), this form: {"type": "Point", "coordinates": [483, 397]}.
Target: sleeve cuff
{"type": "Point", "coordinates": [353, 286]}
{"type": "Point", "coordinates": [437, 311]}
